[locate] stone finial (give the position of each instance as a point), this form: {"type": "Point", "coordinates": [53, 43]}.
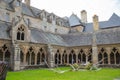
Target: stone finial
{"type": "Point", "coordinates": [95, 23]}
{"type": "Point", "coordinates": [84, 16]}
{"type": "Point", "coordinates": [27, 2]}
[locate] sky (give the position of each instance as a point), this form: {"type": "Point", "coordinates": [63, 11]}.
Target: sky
{"type": "Point", "coordinates": [103, 8]}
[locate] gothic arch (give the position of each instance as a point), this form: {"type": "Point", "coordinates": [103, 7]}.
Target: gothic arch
{"type": "Point", "coordinates": [90, 55]}
{"type": "Point", "coordinates": [115, 56]}
{"type": "Point", "coordinates": [21, 56]}
{"type": "Point", "coordinates": [57, 57]}
{"type": "Point", "coordinates": [82, 56]}
{"type": "Point", "coordinates": [41, 56]}
{"type": "Point", "coordinates": [20, 33]}
{"type": "Point", "coordinates": [100, 57]}
{"type": "Point", "coordinates": [112, 58]}
{"type": "Point", "coordinates": [103, 56]}
{"type": "Point", "coordinates": [72, 57]}
{"type": "Point", "coordinates": [64, 57]}
{"type": "Point", "coordinates": [30, 56]}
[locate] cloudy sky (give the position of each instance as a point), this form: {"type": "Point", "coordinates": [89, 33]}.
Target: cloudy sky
{"type": "Point", "coordinates": [103, 8]}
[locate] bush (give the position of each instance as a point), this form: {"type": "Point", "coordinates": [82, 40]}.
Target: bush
{"type": "Point", "coordinates": [88, 66]}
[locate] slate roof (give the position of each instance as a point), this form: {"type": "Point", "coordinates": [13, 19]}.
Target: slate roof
{"type": "Point", "coordinates": [38, 36]}
{"type": "Point", "coordinates": [114, 21]}
{"type": "Point", "coordinates": [26, 10]}
{"type": "Point", "coordinates": [4, 30]}
{"type": "Point", "coordinates": [74, 20]}
{"type": "Point", "coordinates": [110, 36]}
{"type": "Point", "coordinates": [78, 39]}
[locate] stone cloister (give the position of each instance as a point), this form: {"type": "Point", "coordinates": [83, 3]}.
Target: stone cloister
{"type": "Point", "coordinates": [33, 55]}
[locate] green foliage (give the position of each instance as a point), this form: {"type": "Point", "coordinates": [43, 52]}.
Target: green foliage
{"type": "Point", "coordinates": [76, 66]}
{"type": "Point", "coordinates": [45, 74]}
{"type": "Point", "coordinates": [88, 66]}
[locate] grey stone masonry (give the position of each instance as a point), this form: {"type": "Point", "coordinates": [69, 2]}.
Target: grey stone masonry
{"type": "Point", "coordinates": [50, 56]}
{"type": "Point", "coordinates": [16, 59]}
{"type": "Point", "coordinates": [94, 50]}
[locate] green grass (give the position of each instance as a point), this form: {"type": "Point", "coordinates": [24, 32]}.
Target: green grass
{"type": "Point", "coordinates": [45, 74]}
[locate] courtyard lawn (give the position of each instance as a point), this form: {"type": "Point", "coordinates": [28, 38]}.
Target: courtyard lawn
{"type": "Point", "coordinates": [45, 74]}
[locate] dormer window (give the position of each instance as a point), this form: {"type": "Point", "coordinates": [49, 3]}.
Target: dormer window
{"type": "Point", "coordinates": [18, 2]}
{"type": "Point", "coordinates": [21, 33]}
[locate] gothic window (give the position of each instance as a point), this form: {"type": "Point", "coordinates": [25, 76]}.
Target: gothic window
{"type": "Point", "coordinates": [21, 33]}
{"type": "Point", "coordinates": [45, 28]}
{"type": "Point", "coordinates": [56, 30]}
{"type": "Point", "coordinates": [64, 58]}
{"type": "Point", "coordinates": [21, 56]}
{"type": "Point", "coordinates": [112, 59]}
{"type": "Point", "coordinates": [103, 56]}
{"type": "Point", "coordinates": [30, 56]}
{"type": "Point", "coordinates": [41, 56]}
{"type": "Point", "coordinates": [57, 57]}
{"type": "Point", "coordinates": [7, 17]}
{"type": "Point", "coordinates": [18, 3]}
{"type": "Point", "coordinates": [4, 53]}
{"type": "Point", "coordinates": [100, 58]}
{"type": "Point", "coordinates": [72, 57]}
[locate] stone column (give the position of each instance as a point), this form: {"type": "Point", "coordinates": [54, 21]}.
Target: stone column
{"type": "Point", "coordinates": [16, 59]}
{"type": "Point", "coordinates": [68, 59]}
{"type": "Point", "coordinates": [94, 40]}
{"type": "Point", "coordinates": [94, 50]}
{"type": "Point", "coordinates": [76, 58]}
{"type": "Point", "coordinates": [108, 52]}
{"type": "Point", "coordinates": [50, 53]}
{"type": "Point", "coordinates": [35, 59]}
{"type": "Point", "coordinates": [24, 59]}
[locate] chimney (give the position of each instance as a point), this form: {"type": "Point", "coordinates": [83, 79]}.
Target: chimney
{"type": "Point", "coordinates": [95, 23]}
{"type": "Point", "coordinates": [27, 2]}
{"type": "Point", "coordinates": [84, 16]}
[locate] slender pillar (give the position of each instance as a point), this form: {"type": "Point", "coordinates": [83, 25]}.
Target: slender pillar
{"type": "Point", "coordinates": [35, 59]}
{"type": "Point", "coordinates": [24, 59]}
{"type": "Point", "coordinates": [108, 52]}
{"type": "Point", "coordinates": [76, 58]}
{"type": "Point", "coordinates": [68, 59]}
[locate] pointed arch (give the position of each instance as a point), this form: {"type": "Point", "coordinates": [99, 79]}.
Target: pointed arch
{"type": "Point", "coordinates": [79, 58]}
{"type": "Point", "coordinates": [70, 58]}
{"type": "Point", "coordinates": [117, 58]}
{"type": "Point", "coordinates": [100, 58]}
{"type": "Point", "coordinates": [30, 56]}
{"type": "Point", "coordinates": [84, 58]}
{"type": "Point", "coordinates": [112, 58]}
{"type": "Point", "coordinates": [90, 55]}
{"type": "Point", "coordinates": [105, 55]}
{"type": "Point", "coordinates": [57, 57]}
{"type": "Point", "coordinates": [21, 56]}
{"type": "Point", "coordinates": [20, 33]}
